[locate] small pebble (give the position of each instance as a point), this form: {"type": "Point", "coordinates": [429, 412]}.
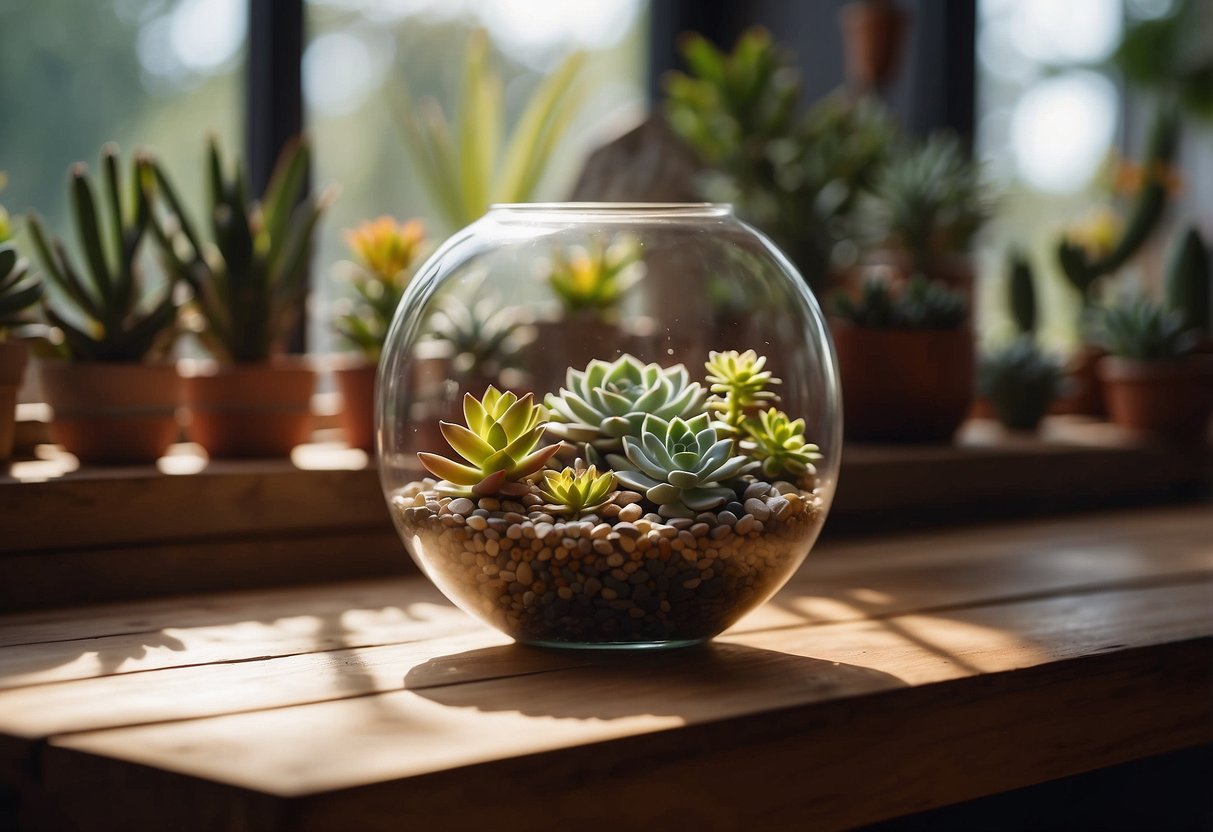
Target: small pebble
{"type": "Point", "coordinates": [631, 513]}
{"type": "Point", "coordinates": [490, 504]}
{"type": "Point", "coordinates": [757, 489]}
{"type": "Point", "coordinates": [600, 531]}
{"type": "Point", "coordinates": [625, 498]}
{"type": "Point", "coordinates": [477, 522]}
{"type": "Point", "coordinates": [525, 574]}
{"type": "Point", "coordinates": [461, 505]}
{"type": "Point", "coordinates": [758, 508]}
{"type": "Point", "coordinates": [726, 518]}
{"type": "Point", "coordinates": [744, 524]}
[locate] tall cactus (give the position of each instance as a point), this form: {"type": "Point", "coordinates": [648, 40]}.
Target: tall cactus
{"type": "Point", "coordinates": [1021, 294]}
{"type": "Point", "coordinates": [1188, 281]}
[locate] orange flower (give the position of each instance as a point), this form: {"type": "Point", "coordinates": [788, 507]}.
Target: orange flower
{"type": "Point", "coordinates": [385, 248]}
{"type": "Point", "coordinates": [1129, 177]}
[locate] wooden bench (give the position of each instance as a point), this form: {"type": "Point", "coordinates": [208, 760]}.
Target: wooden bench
{"type": "Point", "coordinates": [893, 675]}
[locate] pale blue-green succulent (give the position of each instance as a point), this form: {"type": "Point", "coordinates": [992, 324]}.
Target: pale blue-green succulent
{"type": "Point", "coordinates": [679, 464]}
{"type": "Point", "coordinates": [608, 401]}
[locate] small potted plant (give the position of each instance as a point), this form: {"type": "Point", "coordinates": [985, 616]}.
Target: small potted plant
{"type": "Point", "coordinates": [249, 285]}
{"type": "Point", "coordinates": [20, 292]}
{"type": "Point", "coordinates": [112, 401]}
{"type": "Point", "coordinates": [1151, 378]}
{"type": "Point", "coordinates": [1020, 382]}
{"type": "Point", "coordinates": [905, 360]}
{"type": "Point", "coordinates": [385, 254]}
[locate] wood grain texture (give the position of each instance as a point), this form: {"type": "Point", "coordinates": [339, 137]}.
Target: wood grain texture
{"type": "Point", "coordinates": [890, 676]}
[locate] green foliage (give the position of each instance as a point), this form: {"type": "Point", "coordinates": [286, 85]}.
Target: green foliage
{"type": "Point", "coordinates": [606, 402]}
{"type": "Point", "coordinates": [797, 177]}
{"type": "Point", "coordinates": [928, 200]}
{"type": "Point", "coordinates": [1021, 292]}
{"type": "Point", "coordinates": [1171, 56]}
{"type": "Point", "coordinates": [483, 337]}
{"type": "Point", "coordinates": [921, 304]}
{"type": "Point", "coordinates": [778, 444]}
{"type": "Point", "coordinates": [1188, 281]}
{"type": "Point", "coordinates": [1142, 330]}
{"type": "Point", "coordinates": [591, 280]}
{"type": "Point", "coordinates": [1021, 382]}
{"type": "Point", "coordinates": [498, 445]}
{"type": "Point", "coordinates": [103, 312]}
{"type": "Point", "coordinates": [577, 491]}
{"type": "Point", "coordinates": [739, 385]}
{"type": "Point", "coordinates": [463, 165]}
{"type": "Point", "coordinates": [1081, 268]}
{"type": "Point", "coordinates": [679, 464]}
{"type": "Point", "coordinates": [19, 290]}
{"type": "Point", "coordinates": [250, 282]}
{"type": "Point", "coordinates": [386, 254]}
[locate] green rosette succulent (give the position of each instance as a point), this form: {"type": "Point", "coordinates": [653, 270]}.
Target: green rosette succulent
{"type": "Point", "coordinates": [498, 445]}
{"type": "Point", "coordinates": [577, 491]}
{"type": "Point", "coordinates": [778, 445]}
{"type": "Point", "coordinates": [610, 400]}
{"type": "Point", "coordinates": [738, 384]}
{"type": "Point", "coordinates": [679, 464]}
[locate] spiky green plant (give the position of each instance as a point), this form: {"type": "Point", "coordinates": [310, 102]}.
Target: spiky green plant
{"type": "Point", "coordinates": [920, 304]}
{"type": "Point", "coordinates": [386, 253]}
{"type": "Point", "coordinates": [680, 464]}
{"type": "Point", "coordinates": [484, 337]}
{"type": "Point", "coordinates": [104, 312]}
{"type": "Point", "coordinates": [1020, 382]}
{"type": "Point", "coordinates": [20, 290]}
{"type": "Point", "coordinates": [577, 491]}
{"type": "Point", "coordinates": [591, 280]}
{"type": "Point", "coordinates": [1188, 283]}
{"type": "Point", "coordinates": [462, 163]}
{"type": "Point", "coordinates": [739, 385]}
{"type": "Point", "coordinates": [610, 400]}
{"type": "Point", "coordinates": [778, 444]}
{"type": "Point", "coordinates": [1142, 330]}
{"type": "Point", "coordinates": [249, 283]}
{"type": "Point", "coordinates": [498, 445]}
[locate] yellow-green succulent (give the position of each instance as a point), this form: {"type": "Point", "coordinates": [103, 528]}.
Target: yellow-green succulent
{"type": "Point", "coordinates": [738, 384]}
{"type": "Point", "coordinates": [577, 491]}
{"type": "Point", "coordinates": [779, 444]}
{"type": "Point", "coordinates": [498, 444]}
{"type": "Point", "coordinates": [592, 279]}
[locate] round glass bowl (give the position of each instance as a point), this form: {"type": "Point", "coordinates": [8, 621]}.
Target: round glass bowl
{"type": "Point", "coordinates": [606, 425]}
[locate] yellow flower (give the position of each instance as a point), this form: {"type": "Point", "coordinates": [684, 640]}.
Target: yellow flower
{"type": "Point", "coordinates": [1097, 233]}
{"type": "Point", "coordinates": [385, 247]}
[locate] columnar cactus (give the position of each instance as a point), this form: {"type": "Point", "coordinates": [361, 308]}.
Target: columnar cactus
{"type": "Point", "coordinates": [679, 464]}
{"type": "Point", "coordinates": [498, 445]}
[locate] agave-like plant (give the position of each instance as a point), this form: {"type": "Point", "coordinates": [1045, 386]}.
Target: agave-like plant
{"type": "Point", "coordinates": [738, 384]}
{"type": "Point", "coordinates": [484, 336]}
{"type": "Point", "coordinates": [386, 252]}
{"type": "Point", "coordinates": [19, 290]}
{"type": "Point", "coordinates": [608, 401]}
{"type": "Point", "coordinates": [680, 464]}
{"type": "Point", "coordinates": [498, 444]}
{"type": "Point", "coordinates": [591, 280]}
{"type": "Point", "coordinates": [577, 491]}
{"type": "Point", "coordinates": [778, 444]}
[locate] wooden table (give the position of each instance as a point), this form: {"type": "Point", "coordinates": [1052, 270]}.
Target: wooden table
{"type": "Point", "coordinates": [891, 676]}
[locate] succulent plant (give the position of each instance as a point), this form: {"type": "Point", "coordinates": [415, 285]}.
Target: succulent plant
{"type": "Point", "coordinates": [19, 290]}
{"type": "Point", "coordinates": [679, 464]}
{"type": "Point", "coordinates": [1021, 292]}
{"type": "Point", "coordinates": [463, 164]}
{"type": "Point", "coordinates": [248, 284]}
{"type": "Point", "coordinates": [386, 252]}
{"type": "Point", "coordinates": [105, 313]}
{"type": "Point", "coordinates": [498, 445]}
{"type": "Point", "coordinates": [591, 280]}
{"type": "Point", "coordinates": [739, 385]}
{"type": "Point", "coordinates": [1141, 330]}
{"type": "Point", "coordinates": [577, 491]}
{"type": "Point", "coordinates": [1020, 382]}
{"type": "Point", "coordinates": [608, 401]}
{"type": "Point", "coordinates": [929, 200]}
{"type": "Point", "coordinates": [484, 337]}
{"type": "Point", "coordinates": [778, 444]}
{"type": "Point", "coordinates": [1188, 282]}
{"type": "Point", "coordinates": [921, 304]}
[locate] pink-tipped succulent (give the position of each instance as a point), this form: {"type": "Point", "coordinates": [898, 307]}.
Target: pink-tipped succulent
{"type": "Point", "coordinates": [498, 445]}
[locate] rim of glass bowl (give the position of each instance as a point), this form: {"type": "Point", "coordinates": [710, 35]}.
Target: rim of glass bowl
{"type": "Point", "coordinates": [609, 211]}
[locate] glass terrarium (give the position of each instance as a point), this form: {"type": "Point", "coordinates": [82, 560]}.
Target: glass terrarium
{"type": "Point", "coordinates": [608, 425]}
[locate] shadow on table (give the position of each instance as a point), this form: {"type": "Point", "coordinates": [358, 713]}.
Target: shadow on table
{"type": "Point", "coordinates": [694, 683]}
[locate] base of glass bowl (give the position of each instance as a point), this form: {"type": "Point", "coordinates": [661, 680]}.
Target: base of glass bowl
{"type": "Point", "coordinates": [618, 646]}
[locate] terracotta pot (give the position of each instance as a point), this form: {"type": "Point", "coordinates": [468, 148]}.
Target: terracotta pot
{"type": "Point", "coordinates": [112, 413]}
{"type": "Point", "coordinates": [1170, 397]}
{"type": "Point", "coordinates": [251, 410]}
{"type": "Point", "coordinates": [13, 357]}
{"type": "Point", "coordinates": [901, 385]}
{"type": "Point", "coordinates": [873, 32]}
{"type": "Point", "coordinates": [357, 386]}
{"type": "Point", "coordinates": [1085, 396]}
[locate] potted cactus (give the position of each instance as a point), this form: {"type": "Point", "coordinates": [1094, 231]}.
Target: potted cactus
{"type": "Point", "coordinates": [1020, 382]}
{"type": "Point", "coordinates": [385, 256]}
{"type": "Point", "coordinates": [690, 513]}
{"type": "Point", "coordinates": [249, 285]}
{"type": "Point", "coordinates": [113, 401]}
{"type": "Point", "coordinates": [1151, 378]}
{"type": "Point", "coordinates": [905, 360]}
{"type": "Point", "coordinates": [20, 292]}
{"type": "Point", "coordinates": [1188, 284]}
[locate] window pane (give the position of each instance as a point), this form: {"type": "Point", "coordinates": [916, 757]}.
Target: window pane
{"type": "Point", "coordinates": [361, 55]}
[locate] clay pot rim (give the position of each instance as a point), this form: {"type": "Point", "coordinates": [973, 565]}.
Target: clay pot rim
{"type": "Point", "coordinates": [209, 368]}
{"type": "Point", "coordinates": [1115, 368]}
